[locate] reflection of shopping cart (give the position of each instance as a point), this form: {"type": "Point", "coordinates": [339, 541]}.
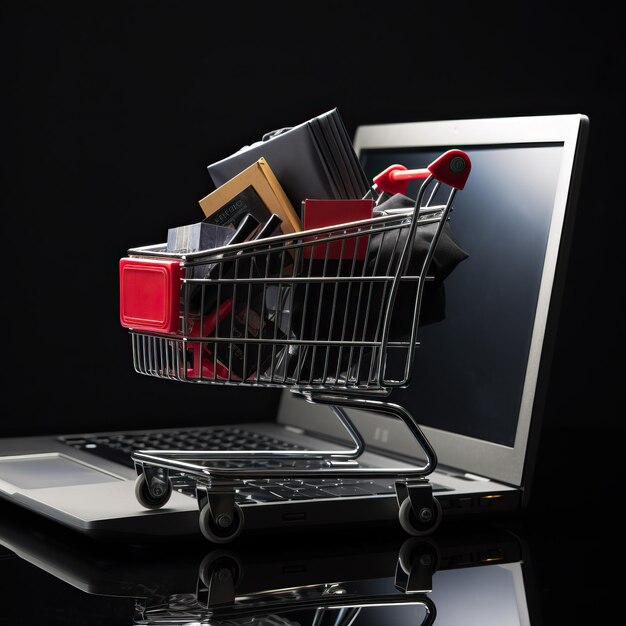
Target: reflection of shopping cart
{"type": "Point", "coordinates": [315, 312]}
{"type": "Point", "coordinates": [233, 589]}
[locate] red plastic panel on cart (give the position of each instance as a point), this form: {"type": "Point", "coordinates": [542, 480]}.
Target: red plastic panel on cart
{"type": "Point", "coordinates": [150, 294]}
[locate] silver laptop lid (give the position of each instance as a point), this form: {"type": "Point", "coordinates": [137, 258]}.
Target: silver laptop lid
{"type": "Point", "coordinates": [480, 374]}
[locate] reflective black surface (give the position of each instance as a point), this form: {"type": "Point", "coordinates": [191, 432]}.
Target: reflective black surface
{"type": "Point", "coordinates": [550, 565]}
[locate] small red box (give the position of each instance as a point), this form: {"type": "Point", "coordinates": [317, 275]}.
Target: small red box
{"type": "Point", "coordinates": [321, 213]}
{"type": "Point", "coordinates": [150, 294]}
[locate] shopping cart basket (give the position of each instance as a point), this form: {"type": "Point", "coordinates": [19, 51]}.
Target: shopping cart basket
{"type": "Point", "coordinates": [313, 312]}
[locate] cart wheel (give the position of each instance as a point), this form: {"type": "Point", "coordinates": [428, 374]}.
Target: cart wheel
{"type": "Point", "coordinates": [219, 560]}
{"type": "Point", "coordinates": [214, 531]}
{"type": "Point", "coordinates": [423, 549]}
{"type": "Point", "coordinates": [146, 499]}
{"type": "Point", "coordinates": [415, 525]}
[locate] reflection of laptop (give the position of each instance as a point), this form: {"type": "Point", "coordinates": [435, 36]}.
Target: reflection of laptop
{"type": "Point", "coordinates": [479, 381]}
{"type": "Point", "coordinates": [481, 572]}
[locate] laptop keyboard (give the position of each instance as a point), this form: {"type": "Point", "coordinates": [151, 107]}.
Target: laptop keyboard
{"type": "Point", "coordinates": [118, 448]}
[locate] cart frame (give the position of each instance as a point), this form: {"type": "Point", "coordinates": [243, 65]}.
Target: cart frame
{"type": "Point", "coordinates": [196, 344]}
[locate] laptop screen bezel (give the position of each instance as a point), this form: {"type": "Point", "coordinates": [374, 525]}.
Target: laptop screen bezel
{"type": "Point", "coordinates": [476, 456]}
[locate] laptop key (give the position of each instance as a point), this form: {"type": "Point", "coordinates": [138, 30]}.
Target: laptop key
{"type": "Point", "coordinates": [345, 490]}
{"type": "Point", "coordinates": [293, 484]}
{"type": "Point", "coordinates": [312, 493]}
{"type": "Point", "coordinates": [262, 496]}
{"type": "Point", "coordinates": [288, 494]}
{"type": "Point", "coordinates": [377, 488]}
{"type": "Point", "coordinates": [320, 482]}
{"type": "Point", "coordinates": [259, 482]}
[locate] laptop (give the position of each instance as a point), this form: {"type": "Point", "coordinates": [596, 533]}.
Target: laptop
{"type": "Point", "coordinates": [479, 383]}
{"type": "Point", "coordinates": [483, 573]}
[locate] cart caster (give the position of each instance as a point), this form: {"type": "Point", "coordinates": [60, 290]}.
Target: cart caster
{"type": "Point", "coordinates": [416, 552]}
{"type": "Point", "coordinates": [219, 575]}
{"type": "Point", "coordinates": [422, 523]}
{"type": "Point", "coordinates": [152, 500]}
{"type": "Point", "coordinates": [220, 562]}
{"type": "Point", "coordinates": [221, 568]}
{"type": "Point", "coordinates": [224, 529]}
{"type": "Point", "coordinates": [418, 560]}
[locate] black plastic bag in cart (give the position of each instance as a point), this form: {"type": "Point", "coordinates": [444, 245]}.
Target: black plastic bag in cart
{"type": "Point", "coordinates": [446, 257]}
{"type": "Point", "coordinates": [354, 312]}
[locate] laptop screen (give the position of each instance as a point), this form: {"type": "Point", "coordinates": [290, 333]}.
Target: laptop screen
{"type": "Point", "coordinates": [481, 371]}
{"type": "Point", "coordinates": [470, 368]}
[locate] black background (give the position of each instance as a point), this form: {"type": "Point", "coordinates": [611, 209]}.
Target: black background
{"type": "Point", "coordinates": [113, 116]}
{"type": "Point", "coordinates": [112, 113]}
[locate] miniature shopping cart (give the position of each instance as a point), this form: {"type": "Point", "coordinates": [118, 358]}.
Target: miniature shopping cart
{"type": "Point", "coordinates": [312, 311]}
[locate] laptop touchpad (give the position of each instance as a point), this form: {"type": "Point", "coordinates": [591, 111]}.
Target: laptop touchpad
{"type": "Point", "coordinates": [49, 470]}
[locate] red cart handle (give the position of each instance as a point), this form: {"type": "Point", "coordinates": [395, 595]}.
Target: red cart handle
{"type": "Point", "coordinates": [451, 168]}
